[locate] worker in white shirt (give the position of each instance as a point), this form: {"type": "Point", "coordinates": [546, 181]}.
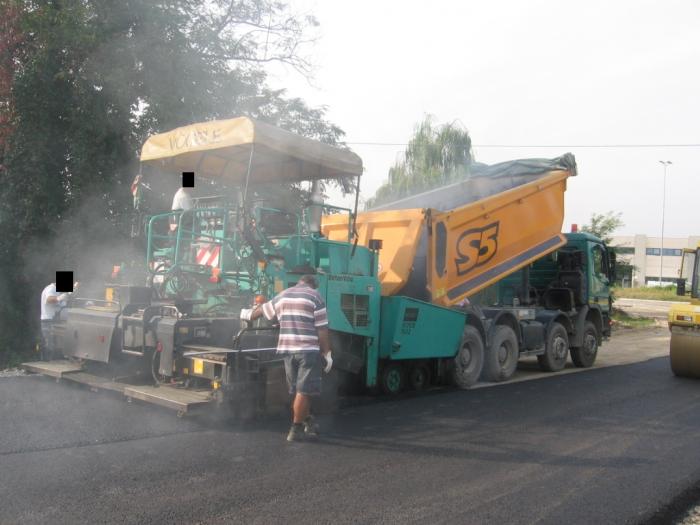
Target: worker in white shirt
{"type": "Point", "coordinates": [181, 201]}
{"type": "Point", "coordinates": [51, 302]}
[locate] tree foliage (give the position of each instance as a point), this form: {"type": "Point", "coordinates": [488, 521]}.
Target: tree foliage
{"type": "Point", "coordinates": [436, 155]}
{"type": "Point", "coordinates": [10, 41]}
{"type": "Point", "coordinates": [603, 225]}
{"type": "Point", "coordinates": [83, 83]}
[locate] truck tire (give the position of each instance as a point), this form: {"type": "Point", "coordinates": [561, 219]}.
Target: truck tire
{"type": "Point", "coordinates": [584, 356]}
{"type": "Point", "coordinates": [392, 379]}
{"type": "Point", "coordinates": [556, 349]}
{"type": "Point", "coordinates": [469, 361]}
{"type": "Point", "coordinates": [502, 356]}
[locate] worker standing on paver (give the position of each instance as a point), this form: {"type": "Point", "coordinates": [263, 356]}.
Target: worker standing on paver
{"type": "Point", "coordinates": [182, 200]}
{"type": "Point", "coordinates": [303, 339]}
{"type": "Point", "coordinates": [51, 301]}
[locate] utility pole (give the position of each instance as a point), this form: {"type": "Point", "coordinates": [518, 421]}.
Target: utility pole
{"type": "Point", "coordinates": [666, 164]}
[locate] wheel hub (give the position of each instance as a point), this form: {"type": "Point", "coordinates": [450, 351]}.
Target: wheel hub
{"type": "Point", "coordinates": [502, 354]}
{"type": "Point", "coordinates": [394, 380]}
{"type": "Point", "coordinates": [560, 348]}
{"type": "Point", "coordinates": [465, 356]}
{"type": "Point", "coordinates": [590, 344]}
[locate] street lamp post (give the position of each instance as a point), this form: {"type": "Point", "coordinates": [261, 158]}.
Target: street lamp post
{"type": "Point", "coordinates": [666, 164]}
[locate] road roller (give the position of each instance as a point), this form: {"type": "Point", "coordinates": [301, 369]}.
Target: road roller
{"type": "Point", "coordinates": [684, 318]}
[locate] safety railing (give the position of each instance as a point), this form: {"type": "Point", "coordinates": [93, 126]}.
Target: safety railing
{"type": "Point", "coordinates": [197, 240]}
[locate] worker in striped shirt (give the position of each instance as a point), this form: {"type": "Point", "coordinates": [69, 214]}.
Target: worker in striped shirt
{"type": "Point", "coordinates": [303, 339]}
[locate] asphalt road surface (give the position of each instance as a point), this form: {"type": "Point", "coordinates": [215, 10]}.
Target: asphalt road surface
{"type": "Point", "coordinates": [609, 445]}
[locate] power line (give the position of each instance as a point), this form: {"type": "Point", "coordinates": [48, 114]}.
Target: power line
{"type": "Point", "coordinates": [401, 144]}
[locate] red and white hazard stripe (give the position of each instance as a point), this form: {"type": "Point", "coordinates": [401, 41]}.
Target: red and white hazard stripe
{"type": "Point", "coordinates": [208, 255]}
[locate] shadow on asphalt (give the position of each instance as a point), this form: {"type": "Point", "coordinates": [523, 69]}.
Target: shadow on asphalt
{"type": "Point", "coordinates": [462, 421]}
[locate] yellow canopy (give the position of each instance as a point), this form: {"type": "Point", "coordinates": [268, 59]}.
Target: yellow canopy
{"type": "Point", "coordinates": [222, 148]}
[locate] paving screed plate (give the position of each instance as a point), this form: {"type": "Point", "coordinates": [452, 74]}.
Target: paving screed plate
{"type": "Point", "coordinates": [170, 397]}
{"type": "Point", "coordinates": [166, 396]}
{"type": "Point", "coordinates": [57, 369]}
{"type": "Point", "coordinates": [95, 382]}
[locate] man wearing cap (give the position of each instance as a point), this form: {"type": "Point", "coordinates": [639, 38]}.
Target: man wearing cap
{"type": "Point", "coordinates": [303, 339]}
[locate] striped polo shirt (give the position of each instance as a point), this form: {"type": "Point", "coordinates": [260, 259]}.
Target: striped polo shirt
{"type": "Point", "coordinates": [300, 310]}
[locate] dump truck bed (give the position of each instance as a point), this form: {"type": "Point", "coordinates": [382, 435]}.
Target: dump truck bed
{"type": "Point", "coordinates": [447, 244]}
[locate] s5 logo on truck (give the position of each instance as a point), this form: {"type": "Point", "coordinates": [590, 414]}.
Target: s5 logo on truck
{"type": "Point", "coordinates": [476, 247]}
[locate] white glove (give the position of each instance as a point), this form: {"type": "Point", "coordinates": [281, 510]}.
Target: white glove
{"type": "Point", "coordinates": [246, 314]}
{"type": "Point", "coordinates": [329, 362]}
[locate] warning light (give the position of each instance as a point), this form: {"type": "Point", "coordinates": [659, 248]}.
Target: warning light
{"type": "Point", "coordinates": [574, 228]}
{"type": "Point", "coordinates": [215, 275]}
{"type": "Point", "coordinates": [115, 271]}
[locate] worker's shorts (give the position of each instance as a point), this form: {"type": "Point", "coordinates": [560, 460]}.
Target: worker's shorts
{"type": "Point", "coordinates": [47, 346]}
{"type": "Point", "coordinates": [303, 371]}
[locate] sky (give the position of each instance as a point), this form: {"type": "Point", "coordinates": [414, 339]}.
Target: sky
{"type": "Point", "coordinates": [560, 73]}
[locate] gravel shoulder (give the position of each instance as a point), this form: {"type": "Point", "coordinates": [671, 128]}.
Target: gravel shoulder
{"type": "Point", "coordinates": [12, 372]}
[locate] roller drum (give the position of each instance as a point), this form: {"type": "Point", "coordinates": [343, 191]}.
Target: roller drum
{"type": "Point", "coordinates": [685, 353]}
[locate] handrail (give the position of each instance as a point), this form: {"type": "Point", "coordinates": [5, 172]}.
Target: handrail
{"type": "Point", "coordinates": [236, 341]}
{"type": "Point", "coordinates": [337, 208]}
{"type": "Point", "coordinates": [87, 299]}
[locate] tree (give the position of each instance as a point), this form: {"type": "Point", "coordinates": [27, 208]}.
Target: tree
{"type": "Point", "coordinates": [435, 156]}
{"type": "Point", "coordinates": [83, 83]}
{"type": "Point", "coordinates": [11, 37]}
{"type": "Point", "coordinates": [603, 225]}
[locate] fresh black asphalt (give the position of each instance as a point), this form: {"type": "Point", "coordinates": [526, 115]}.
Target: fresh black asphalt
{"type": "Point", "coordinates": [615, 445]}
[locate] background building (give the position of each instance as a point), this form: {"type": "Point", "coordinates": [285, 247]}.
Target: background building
{"type": "Point", "coordinates": [644, 254]}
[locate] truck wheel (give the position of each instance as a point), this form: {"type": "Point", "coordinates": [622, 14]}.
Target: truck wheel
{"type": "Point", "coordinates": [556, 349]}
{"type": "Point", "coordinates": [584, 356]}
{"type": "Point", "coordinates": [392, 379]}
{"type": "Point", "coordinates": [419, 377]}
{"type": "Point", "coordinates": [469, 361]}
{"type": "Point", "coordinates": [502, 356]}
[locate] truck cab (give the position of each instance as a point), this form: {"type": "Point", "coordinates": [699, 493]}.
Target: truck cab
{"type": "Point", "coordinates": [599, 272]}
{"type": "Point", "coordinates": [573, 281]}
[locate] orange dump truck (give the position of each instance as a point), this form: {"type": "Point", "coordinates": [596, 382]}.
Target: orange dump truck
{"type": "Point", "coordinates": [490, 248]}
